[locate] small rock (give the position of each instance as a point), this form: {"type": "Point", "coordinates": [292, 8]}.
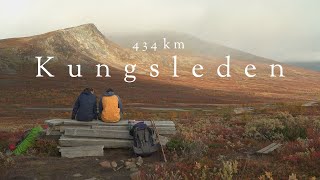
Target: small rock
{"type": "Point", "coordinates": [105, 164]}
{"type": "Point", "coordinates": [134, 169]}
{"type": "Point", "coordinates": [93, 178]}
{"type": "Point", "coordinates": [2, 155]}
{"type": "Point", "coordinates": [311, 104]}
{"type": "Point", "coordinates": [150, 166]}
{"type": "Point", "coordinates": [139, 161]}
{"type": "Point", "coordinates": [120, 163]}
{"type": "Point", "coordinates": [131, 165]}
{"type": "Point", "coordinates": [119, 167]}
{"type": "Point", "coordinates": [243, 110]}
{"type": "Point", "coordinates": [8, 152]}
{"type": "Point", "coordinates": [128, 163]}
{"type": "Point", "coordinates": [114, 164]}
{"type": "Point", "coordinates": [77, 175]}
{"type": "Point", "coordinates": [135, 176]}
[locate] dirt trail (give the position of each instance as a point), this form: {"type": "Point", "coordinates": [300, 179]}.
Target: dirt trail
{"type": "Point", "coordinates": [63, 168]}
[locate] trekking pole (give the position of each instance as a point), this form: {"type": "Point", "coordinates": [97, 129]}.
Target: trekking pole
{"type": "Point", "coordinates": [158, 137]}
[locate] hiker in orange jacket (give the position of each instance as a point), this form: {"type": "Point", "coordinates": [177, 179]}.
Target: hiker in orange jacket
{"type": "Point", "coordinates": [110, 107]}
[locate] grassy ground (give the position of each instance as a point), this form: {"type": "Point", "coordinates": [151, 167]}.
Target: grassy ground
{"type": "Point", "coordinates": [213, 143]}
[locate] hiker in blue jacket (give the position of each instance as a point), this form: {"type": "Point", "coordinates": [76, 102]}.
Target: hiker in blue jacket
{"type": "Point", "coordinates": [85, 107]}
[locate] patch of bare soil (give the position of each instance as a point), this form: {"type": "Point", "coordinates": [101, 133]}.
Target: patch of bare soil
{"type": "Point", "coordinates": [64, 168]}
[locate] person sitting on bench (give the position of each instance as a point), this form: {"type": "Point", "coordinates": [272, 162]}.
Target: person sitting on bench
{"type": "Point", "coordinates": [110, 107]}
{"type": "Point", "coordinates": [85, 107]}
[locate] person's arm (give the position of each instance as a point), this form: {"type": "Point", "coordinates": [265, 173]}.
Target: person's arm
{"type": "Point", "coordinates": [75, 108]}
{"type": "Point", "coordinates": [95, 108]}
{"type": "Point", "coordinates": [100, 106]}
{"type": "Point", "coordinates": [120, 105]}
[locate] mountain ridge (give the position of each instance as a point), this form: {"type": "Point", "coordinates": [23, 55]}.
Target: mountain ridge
{"type": "Point", "coordinates": [86, 45]}
{"type": "Point", "coordinates": [194, 45]}
{"type": "Point", "coordinates": [81, 44]}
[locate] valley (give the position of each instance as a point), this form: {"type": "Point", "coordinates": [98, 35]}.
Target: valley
{"type": "Point", "coordinates": [154, 69]}
{"type": "Point", "coordinates": [85, 45]}
{"type": "Point", "coordinates": [212, 135]}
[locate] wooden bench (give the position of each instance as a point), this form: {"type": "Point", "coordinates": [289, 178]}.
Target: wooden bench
{"type": "Point", "coordinates": [91, 136]}
{"type": "Point", "coordinates": [81, 151]}
{"type": "Point", "coordinates": [58, 126]}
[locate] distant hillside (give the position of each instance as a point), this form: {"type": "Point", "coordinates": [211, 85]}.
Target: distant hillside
{"type": "Point", "coordinates": [82, 44]}
{"type": "Point", "coordinates": [307, 65]}
{"type": "Point", "coordinates": [193, 45]}
{"type": "Point", "coordinates": [87, 46]}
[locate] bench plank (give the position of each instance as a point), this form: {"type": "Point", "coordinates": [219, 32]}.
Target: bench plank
{"type": "Point", "coordinates": [57, 122]}
{"type": "Point", "coordinates": [53, 133]}
{"type": "Point", "coordinates": [109, 134]}
{"type": "Point", "coordinates": [271, 147]}
{"type": "Point", "coordinates": [81, 151]}
{"type": "Point", "coordinates": [63, 127]}
{"type": "Point", "coordinates": [162, 129]}
{"type": "Point", "coordinates": [107, 143]}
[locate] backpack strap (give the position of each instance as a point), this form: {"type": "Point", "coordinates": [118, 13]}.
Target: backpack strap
{"type": "Point", "coordinates": [146, 135]}
{"type": "Point", "coordinates": [141, 137]}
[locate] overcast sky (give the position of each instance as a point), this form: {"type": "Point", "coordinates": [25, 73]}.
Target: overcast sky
{"type": "Point", "coordinates": [284, 30]}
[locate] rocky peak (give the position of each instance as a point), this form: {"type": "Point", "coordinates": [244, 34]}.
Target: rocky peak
{"type": "Point", "coordinates": [84, 40]}
{"type": "Point", "coordinates": [83, 30]}
{"type": "Point", "coordinates": [83, 26]}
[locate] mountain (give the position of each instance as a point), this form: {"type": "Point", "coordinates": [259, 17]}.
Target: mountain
{"type": "Point", "coordinates": [193, 45]}
{"type": "Point", "coordinates": [82, 44]}
{"type": "Point", "coordinates": [87, 46]}
{"type": "Point", "coordinates": [307, 65]}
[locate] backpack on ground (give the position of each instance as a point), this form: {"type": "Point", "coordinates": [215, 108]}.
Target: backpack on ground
{"type": "Point", "coordinates": [144, 143]}
{"type": "Point", "coordinates": [27, 140]}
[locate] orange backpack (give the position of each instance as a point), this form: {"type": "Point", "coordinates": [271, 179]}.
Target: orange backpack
{"type": "Point", "coordinates": [111, 111]}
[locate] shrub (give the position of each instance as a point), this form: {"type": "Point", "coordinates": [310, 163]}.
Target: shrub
{"type": "Point", "coordinates": [188, 149]}
{"type": "Point", "coordinates": [7, 138]}
{"type": "Point", "coordinates": [227, 114]}
{"type": "Point", "coordinates": [164, 175]}
{"type": "Point", "coordinates": [6, 161]}
{"type": "Point", "coordinates": [3, 145]}
{"type": "Point", "coordinates": [176, 145]}
{"type": "Point", "coordinates": [264, 129]}
{"type": "Point", "coordinates": [316, 124]}
{"type": "Point", "coordinates": [245, 117]}
{"type": "Point", "coordinates": [294, 127]}
{"type": "Point", "coordinates": [283, 127]}
{"type": "Point", "coordinates": [46, 147]}
{"type": "Point", "coordinates": [266, 176]}
{"type": "Point", "coordinates": [179, 171]}
{"type": "Point", "coordinates": [228, 170]}
{"type": "Point", "coordinates": [293, 132]}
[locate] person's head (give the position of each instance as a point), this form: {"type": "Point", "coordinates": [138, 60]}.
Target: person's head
{"type": "Point", "coordinates": [109, 90]}
{"type": "Point", "coordinates": [89, 90]}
